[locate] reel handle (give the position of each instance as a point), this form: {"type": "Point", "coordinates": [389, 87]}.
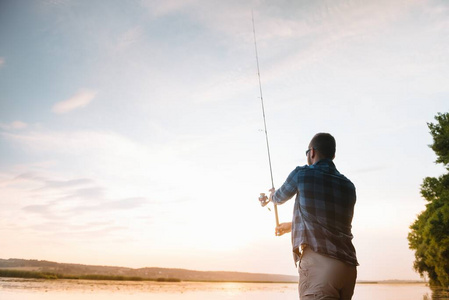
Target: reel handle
{"type": "Point", "coordinates": [263, 199]}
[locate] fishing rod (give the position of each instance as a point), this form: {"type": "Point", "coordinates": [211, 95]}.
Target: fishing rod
{"type": "Point", "coordinates": [263, 198]}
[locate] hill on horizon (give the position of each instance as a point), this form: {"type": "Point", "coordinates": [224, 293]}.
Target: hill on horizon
{"type": "Point", "coordinates": [147, 272]}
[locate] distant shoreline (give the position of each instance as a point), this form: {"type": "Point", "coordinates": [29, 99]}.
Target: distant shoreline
{"type": "Point", "coordinates": [53, 270]}
{"type": "Point", "coordinates": [40, 269]}
{"type": "Point", "coordinates": [8, 273]}
{"type": "Point", "coordinates": [11, 273]}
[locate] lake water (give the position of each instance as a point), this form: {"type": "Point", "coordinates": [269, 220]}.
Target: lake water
{"type": "Point", "coordinates": [38, 289]}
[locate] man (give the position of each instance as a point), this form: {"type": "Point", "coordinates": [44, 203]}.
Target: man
{"type": "Point", "coordinates": [321, 225]}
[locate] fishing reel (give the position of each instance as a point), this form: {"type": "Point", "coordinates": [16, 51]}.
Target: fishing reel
{"type": "Point", "coordinates": [264, 200]}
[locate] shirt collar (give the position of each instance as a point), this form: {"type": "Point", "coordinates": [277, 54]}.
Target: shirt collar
{"type": "Point", "coordinates": [324, 164]}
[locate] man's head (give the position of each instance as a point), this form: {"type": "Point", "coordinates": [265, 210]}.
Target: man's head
{"type": "Point", "coordinates": [322, 146]}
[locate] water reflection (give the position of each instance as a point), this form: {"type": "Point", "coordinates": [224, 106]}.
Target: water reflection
{"type": "Point", "coordinates": [32, 289]}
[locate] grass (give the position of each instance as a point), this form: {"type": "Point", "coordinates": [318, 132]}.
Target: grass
{"type": "Point", "coordinates": [47, 275]}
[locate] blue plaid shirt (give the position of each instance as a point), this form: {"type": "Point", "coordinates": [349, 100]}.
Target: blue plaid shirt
{"type": "Point", "coordinates": [323, 212]}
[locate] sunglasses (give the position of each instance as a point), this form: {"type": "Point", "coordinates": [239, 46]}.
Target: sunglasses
{"type": "Point", "coordinates": [308, 150]}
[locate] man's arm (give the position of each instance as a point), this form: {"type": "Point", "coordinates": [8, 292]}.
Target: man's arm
{"type": "Point", "coordinates": [286, 191]}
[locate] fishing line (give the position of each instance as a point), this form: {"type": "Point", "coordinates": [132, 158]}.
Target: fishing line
{"type": "Point", "coordinates": [264, 119]}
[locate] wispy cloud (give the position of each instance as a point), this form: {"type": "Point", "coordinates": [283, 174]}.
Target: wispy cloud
{"type": "Point", "coordinates": [81, 99]}
{"type": "Point", "coordinates": [13, 125]}
{"type": "Point", "coordinates": [67, 199]}
{"type": "Point", "coordinates": [2, 61]}
{"type": "Point", "coordinates": [109, 206]}
{"type": "Point", "coordinates": [119, 163]}
{"type": "Point", "coordinates": [63, 210]}
{"type": "Point", "coordinates": [43, 210]}
{"type": "Point", "coordinates": [90, 143]}
{"type": "Point", "coordinates": [55, 2]}
{"type": "Point", "coordinates": [160, 8]}
{"type": "Point", "coordinates": [129, 38]}
{"type": "Point", "coordinates": [310, 38]}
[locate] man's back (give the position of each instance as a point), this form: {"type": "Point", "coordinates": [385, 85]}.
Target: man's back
{"type": "Point", "coordinates": [324, 208]}
{"type": "Point", "coordinates": [323, 212]}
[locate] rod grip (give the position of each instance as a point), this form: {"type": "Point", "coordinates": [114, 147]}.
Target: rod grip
{"type": "Point", "coordinates": [276, 214]}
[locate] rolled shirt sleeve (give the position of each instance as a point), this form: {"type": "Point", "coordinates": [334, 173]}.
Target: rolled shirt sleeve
{"type": "Point", "coordinates": [288, 189]}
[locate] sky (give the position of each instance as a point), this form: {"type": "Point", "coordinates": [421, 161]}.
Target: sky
{"type": "Point", "coordinates": [131, 132]}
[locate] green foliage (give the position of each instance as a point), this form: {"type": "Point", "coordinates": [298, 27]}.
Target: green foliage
{"type": "Point", "coordinates": [429, 235]}
{"type": "Point", "coordinates": [160, 279]}
{"type": "Point", "coordinates": [440, 134]}
{"type": "Point", "coordinates": [28, 274]}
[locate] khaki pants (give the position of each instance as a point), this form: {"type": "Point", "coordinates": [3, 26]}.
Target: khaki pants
{"type": "Point", "coordinates": [322, 277]}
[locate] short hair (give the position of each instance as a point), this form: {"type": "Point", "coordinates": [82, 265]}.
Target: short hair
{"type": "Point", "coordinates": [325, 144]}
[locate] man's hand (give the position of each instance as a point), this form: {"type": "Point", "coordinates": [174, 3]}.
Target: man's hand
{"type": "Point", "coordinates": [283, 228]}
{"type": "Point", "coordinates": [272, 190]}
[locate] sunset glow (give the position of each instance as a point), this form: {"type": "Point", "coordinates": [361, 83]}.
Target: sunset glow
{"type": "Point", "coordinates": [130, 132]}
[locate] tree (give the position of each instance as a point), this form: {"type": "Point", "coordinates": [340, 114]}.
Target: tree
{"type": "Point", "coordinates": [429, 235]}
